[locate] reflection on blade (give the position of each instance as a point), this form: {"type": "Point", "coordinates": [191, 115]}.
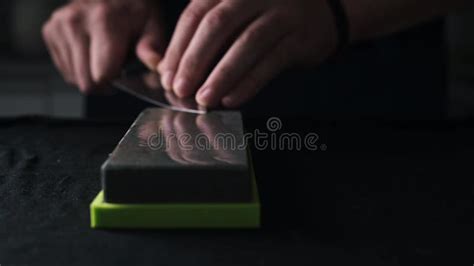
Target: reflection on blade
{"type": "Point", "coordinates": [147, 87]}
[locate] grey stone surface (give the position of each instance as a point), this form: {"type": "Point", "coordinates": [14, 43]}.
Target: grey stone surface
{"type": "Point", "coordinates": [169, 156]}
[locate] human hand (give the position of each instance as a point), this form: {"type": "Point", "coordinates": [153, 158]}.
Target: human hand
{"type": "Point", "coordinates": [153, 84]}
{"type": "Point", "coordinates": [89, 40]}
{"type": "Point", "coordinates": [227, 50]}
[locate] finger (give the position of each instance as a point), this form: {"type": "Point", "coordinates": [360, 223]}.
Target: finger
{"type": "Point", "coordinates": [78, 42]}
{"type": "Point", "coordinates": [150, 46]}
{"type": "Point", "coordinates": [65, 57]}
{"type": "Point", "coordinates": [57, 44]}
{"type": "Point", "coordinates": [262, 73]}
{"type": "Point", "coordinates": [55, 37]}
{"type": "Point", "coordinates": [250, 47]}
{"type": "Point", "coordinates": [175, 101]}
{"type": "Point", "coordinates": [211, 38]}
{"type": "Point", "coordinates": [108, 47]}
{"type": "Point", "coordinates": [55, 56]}
{"type": "Point", "coordinates": [187, 25]}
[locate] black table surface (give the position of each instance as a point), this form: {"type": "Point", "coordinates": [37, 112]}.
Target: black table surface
{"type": "Point", "coordinates": [383, 193]}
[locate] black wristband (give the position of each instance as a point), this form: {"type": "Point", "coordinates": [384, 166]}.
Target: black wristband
{"type": "Point", "coordinates": [342, 24]}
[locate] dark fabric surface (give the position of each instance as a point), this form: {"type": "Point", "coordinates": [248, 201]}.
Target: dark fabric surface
{"type": "Point", "coordinates": [381, 194]}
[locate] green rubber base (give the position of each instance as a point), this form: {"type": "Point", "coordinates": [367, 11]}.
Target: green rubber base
{"type": "Point", "coordinates": [179, 215]}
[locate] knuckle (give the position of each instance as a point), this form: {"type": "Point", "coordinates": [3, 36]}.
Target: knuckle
{"type": "Point", "coordinates": [217, 18]}
{"type": "Point", "coordinates": [192, 15]}
{"type": "Point", "coordinates": [58, 14]}
{"type": "Point", "coordinates": [69, 15]}
{"type": "Point", "coordinates": [102, 11]}
{"type": "Point", "coordinates": [252, 34]}
{"type": "Point", "coordinates": [72, 20]}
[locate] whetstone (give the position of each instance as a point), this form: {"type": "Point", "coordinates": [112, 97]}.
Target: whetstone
{"type": "Point", "coordinates": [165, 158]}
{"type": "Point", "coordinates": [176, 215]}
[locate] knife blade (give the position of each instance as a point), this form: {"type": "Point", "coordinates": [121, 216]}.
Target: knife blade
{"type": "Point", "coordinates": [147, 87]}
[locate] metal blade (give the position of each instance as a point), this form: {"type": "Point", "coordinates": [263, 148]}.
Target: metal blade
{"type": "Point", "coordinates": [147, 87]}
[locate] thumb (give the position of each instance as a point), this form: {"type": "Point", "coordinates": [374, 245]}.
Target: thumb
{"type": "Point", "coordinates": [150, 45]}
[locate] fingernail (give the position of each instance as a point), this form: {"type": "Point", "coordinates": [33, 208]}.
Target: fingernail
{"type": "Point", "coordinates": [180, 86]}
{"type": "Point", "coordinates": [203, 96]}
{"type": "Point", "coordinates": [166, 80]}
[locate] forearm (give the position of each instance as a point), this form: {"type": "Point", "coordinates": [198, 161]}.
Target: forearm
{"type": "Point", "coordinates": [372, 18]}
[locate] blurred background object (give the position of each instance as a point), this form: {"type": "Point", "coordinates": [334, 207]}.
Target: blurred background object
{"type": "Point", "coordinates": [460, 37]}
{"type": "Point", "coordinates": [26, 19]}
{"type": "Point", "coordinates": [29, 83]}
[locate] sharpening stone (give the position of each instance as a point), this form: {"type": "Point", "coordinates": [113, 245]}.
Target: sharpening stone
{"type": "Point", "coordinates": [149, 165]}
{"type": "Point", "coordinates": [175, 215]}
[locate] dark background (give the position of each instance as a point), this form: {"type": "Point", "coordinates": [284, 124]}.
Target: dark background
{"type": "Point", "coordinates": [30, 84]}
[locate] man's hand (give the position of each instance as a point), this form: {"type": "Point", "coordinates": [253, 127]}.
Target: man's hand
{"type": "Point", "coordinates": [89, 40]}
{"type": "Point", "coordinates": [227, 50]}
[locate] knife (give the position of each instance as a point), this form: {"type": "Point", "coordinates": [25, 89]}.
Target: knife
{"type": "Point", "coordinates": [147, 87]}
